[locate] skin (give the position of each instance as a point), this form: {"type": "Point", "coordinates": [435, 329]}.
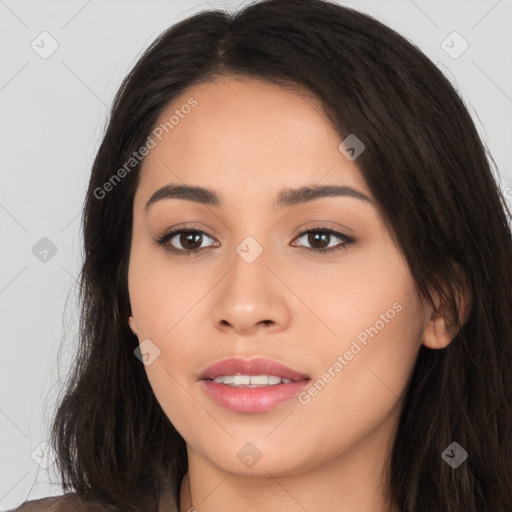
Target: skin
{"type": "Point", "coordinates": [248, 140]}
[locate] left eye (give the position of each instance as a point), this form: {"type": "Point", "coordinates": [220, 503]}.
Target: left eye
{"type": "Point", "coordinates": [321, 235]}
{"type": "Point", "coordinates": [191, 241]}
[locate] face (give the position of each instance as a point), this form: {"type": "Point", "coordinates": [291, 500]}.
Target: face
{"type": "Point", "coordinates": [316, 285]}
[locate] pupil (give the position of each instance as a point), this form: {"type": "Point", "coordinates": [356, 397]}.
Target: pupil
{"type": "Point", "coordinates": [314, 238]}
{"type": "Point", "coordinates": [194, 238]}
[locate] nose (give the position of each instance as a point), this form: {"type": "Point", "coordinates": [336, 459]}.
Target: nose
{"type": "Point", "coordinates": [251, 298]}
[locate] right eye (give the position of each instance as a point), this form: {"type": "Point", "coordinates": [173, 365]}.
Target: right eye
{"type": "Point", "coordinates": [189, 241]}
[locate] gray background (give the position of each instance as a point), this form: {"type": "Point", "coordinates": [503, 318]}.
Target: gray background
{"type": "Point", "coordinates": [53, 112]}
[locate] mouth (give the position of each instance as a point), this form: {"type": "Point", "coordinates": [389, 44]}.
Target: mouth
{"type": "Point", "coordinates": [251, 381]}
{"type": "Point", "coordinates": [257, 370]}
{"type": "Point", "coordinates": [251, 386]}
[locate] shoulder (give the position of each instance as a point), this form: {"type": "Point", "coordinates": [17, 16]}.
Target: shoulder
{"type": "Point", "coordinates": [69, 502]}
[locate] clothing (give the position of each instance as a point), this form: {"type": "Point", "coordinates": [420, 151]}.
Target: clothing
{"type": "Point", "coordinates": [71, 502]}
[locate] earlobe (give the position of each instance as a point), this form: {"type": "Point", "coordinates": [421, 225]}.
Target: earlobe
{"type": "Point", "coordinates": [440, 329]}
{"type": "Point", "coordinates": [133, 325]}
{"type": "Point", "coordinates": [436, 333]}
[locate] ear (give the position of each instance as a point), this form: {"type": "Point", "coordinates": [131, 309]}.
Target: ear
{"type": "Point", "coordinates": [133, 325]}
{"type": "Point", "coordinates": [439, 327]}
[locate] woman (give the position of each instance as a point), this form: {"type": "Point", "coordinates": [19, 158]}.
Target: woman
{"type": "Point", "coordinates": [296, 286]}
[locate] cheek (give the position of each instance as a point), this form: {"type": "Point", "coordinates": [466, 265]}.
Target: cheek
{"type": "Point", "coordinates": [353, 294]}
{"type": "Point", "coordinates": [359, 384]}
{"type": "Point", "coordinates": [375, 317]}
{"type": "Point", "coordinates": [163, 295]}
{"type": "Point", "coordinates": [164, 301]}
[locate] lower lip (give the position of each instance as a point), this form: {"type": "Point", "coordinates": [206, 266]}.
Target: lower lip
{"type": "Point", "coordinates": [252, 399]}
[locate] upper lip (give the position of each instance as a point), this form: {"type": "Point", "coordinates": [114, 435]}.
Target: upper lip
{"type": "Point", "coordinates": [257, 366]}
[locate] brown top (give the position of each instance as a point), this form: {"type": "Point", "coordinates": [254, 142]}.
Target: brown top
{"type": "Point", "coordinates": [71, 502]}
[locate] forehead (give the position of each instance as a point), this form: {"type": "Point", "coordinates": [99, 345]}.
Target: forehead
{"type": "Point", "coordinates": [244, 134]}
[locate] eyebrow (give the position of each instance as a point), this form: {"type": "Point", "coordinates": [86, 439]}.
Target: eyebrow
{"type": "Point", "coordinates": [286, 197]}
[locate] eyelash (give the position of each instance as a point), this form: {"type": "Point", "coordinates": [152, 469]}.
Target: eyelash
{"type": "Point", "coordinates": [162, 241]}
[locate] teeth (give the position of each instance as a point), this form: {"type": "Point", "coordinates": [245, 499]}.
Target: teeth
{"type": "Point", "coordinates": [239, 380]}
{"type": "Point", "coordinates": [252, 381]}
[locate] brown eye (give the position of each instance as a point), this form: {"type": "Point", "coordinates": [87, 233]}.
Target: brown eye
{"type": "Point", "coordinates": [190, 240]}
{"type": "Point", "coordinates": [184, 241]}
{"type": "Point", "coordinates": [320, 238]}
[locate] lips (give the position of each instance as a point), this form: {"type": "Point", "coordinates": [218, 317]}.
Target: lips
{"type": "Point", "coordinates": [252, 367]}
{"type": "Point", "coordinates": [248, 399]}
